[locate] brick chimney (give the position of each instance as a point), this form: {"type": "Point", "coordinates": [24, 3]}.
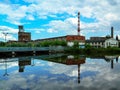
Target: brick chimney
{"type": "Point", "coordinates": [112, 31]}
{"type": "Point", "coordinates": [78, 23]}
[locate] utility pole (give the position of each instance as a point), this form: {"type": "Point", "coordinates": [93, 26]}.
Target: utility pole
{"type": "Point", "coordinates": [5, 34]}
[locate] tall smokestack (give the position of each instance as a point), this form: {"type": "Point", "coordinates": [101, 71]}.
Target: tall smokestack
{"type": "Point", "coordinates": [78, 23]}
{"type": "Point", "coordinates": [112, 32]}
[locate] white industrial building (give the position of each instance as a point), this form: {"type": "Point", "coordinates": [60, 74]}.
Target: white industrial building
{"type": "Point", "coordinates": [111, 43]}
{"type": "Point", "coordinates": [103, 41]}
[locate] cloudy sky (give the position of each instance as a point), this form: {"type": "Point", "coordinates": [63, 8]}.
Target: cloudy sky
{"type": "Point", "coordinates": [52, 18]}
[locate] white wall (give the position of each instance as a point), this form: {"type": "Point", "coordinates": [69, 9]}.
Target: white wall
{"type": "Point", "coordinates": [111, 42]}
{"type": "Point", "coordinates": [70, 44]}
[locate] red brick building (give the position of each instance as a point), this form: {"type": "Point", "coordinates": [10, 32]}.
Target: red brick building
{"type": "Point", "coordinates": [23, 36]}
{"type": "Point", "coordinates": [70, 39]}
{"type": "Point", "coordinates": [75, 38]}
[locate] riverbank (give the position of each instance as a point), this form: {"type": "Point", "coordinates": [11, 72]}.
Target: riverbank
{"type": "Point", "coordinates": [5, 51]}
{"type": "Point", "coordinates": [22, 51]}
{"type": "Point", "coordinates": [92, 51]}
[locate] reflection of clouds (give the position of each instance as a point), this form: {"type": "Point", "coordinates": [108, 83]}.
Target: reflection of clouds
{"type": "Point", "coordinates": [13, 82]}
{"type": "Point", "coordinates": [56, 68]}
{"type": "Point", "coordinates": [55, 76]}
{"type": "Point", "coordinates": [45, 83]}
{"type": "Point", "coordinates": [63, 69]}
{"type": "Point", "coordinates": [105, 80]}
{"type": "Point", "coordinates": [39, 64]}
{"type": "Point", "coordinates": [42, 63]}
{"type": "Point", "coordinates": [51, 64]}
{"type": "Point", "coordinates": [9, 65]}
{"type": "Point", "coordinates": [95, 65]}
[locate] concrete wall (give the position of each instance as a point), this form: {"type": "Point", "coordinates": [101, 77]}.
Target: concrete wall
{"type": "Point", "coordinates": [56, 48]}
{"type": "Point", "coordinates": [19, 49]}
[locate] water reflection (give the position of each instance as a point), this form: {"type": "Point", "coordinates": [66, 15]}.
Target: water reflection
{"type": "Point", "coordinates": [6, 73]}
{"type": "Point", "coordinates": [64, 59]}
{"type": "Point", "coordinates": [60, 71]}
{"type": "Point", "coordinates": [111, 59]}
{"type": "Point", "coordinates": [23, 63]}
{"type": "Point", "coordinates": [70, 60]}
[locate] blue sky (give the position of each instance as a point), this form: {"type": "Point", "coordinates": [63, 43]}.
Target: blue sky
{"type": "Point", "coordinates": [52, 18]}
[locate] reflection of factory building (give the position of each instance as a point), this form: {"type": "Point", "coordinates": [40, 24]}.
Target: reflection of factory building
{"type": "Point", "coordinates": [111, 59]}
{"type": "Point", "coordinates": [22, 64]}
{"type": "Point", "coordinates": [69, 60]}
{"type": "Point", "coordinates": [23, 36]}
{"type": "Point", "coordinates": [105, 42]}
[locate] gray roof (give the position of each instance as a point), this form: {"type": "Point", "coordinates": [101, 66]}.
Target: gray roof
{"type": "Point", "coordinates": [91, 41]}
{"type": "Point", "coordinates": [96, 39]}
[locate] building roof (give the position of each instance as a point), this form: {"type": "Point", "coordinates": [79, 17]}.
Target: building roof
{"type": "Point", "coordinates": [96, 39]}
{"type": "Point", "coordinates": [91, 41]}
{"type": "Point", "coordinates": [51, 38]}
{"type": "Point", "coordinates": [23, 33]}
{"type": "Point", "coordinates": [112, 39]}
{"type": "Point", "coordinates": [67, 38]}
{"type": "Point", "coordinates": [75, 38]}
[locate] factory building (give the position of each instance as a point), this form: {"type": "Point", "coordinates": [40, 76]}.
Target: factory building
{"type": "Point", "coordinates": [23, 36]}
{"type": "Point", "coordinates": [96, 41]}
{"type": "Point", "coordinates": [103, 41]}
{"type": "Point", "coordinates": [70, 39]}
{"type": "Point", "coordinates": [111, 43]}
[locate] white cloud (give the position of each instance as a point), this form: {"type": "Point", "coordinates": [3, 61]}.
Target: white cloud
{"type": "Point", "coordinates": [30, 17]}
{"type": "Point", "coordinates": [51, 31]}
{"type": "Point", "coordinates": [66, 26]}
{"type": "Point", "coordinates": [69, 26]}
{"type": "Point", "coordinates": [105, 12]}
{"type": "Point", "coordinates": [36, 30]}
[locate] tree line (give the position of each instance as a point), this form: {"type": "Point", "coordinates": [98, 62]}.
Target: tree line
{"type": "Point", "coordinates": [33, 44]}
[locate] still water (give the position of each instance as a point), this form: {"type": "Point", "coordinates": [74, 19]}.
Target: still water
{"type": "Point", "coordinates": [60, 72]}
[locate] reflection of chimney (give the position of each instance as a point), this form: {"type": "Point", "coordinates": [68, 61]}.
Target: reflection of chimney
{"type": "Point", "coordinates": [117, 59]}
{"type": "Point", "coordinates": [112, 32]}
{"type": "Point", "coordinates": [21, 68]}
{"type": "Point", "coordinates": [78, 73]}
{"type": "Point", "coordinates": [112, 66]}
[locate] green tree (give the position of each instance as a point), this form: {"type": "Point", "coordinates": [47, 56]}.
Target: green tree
{"type": "Point", "coordinates": [2, 44]}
